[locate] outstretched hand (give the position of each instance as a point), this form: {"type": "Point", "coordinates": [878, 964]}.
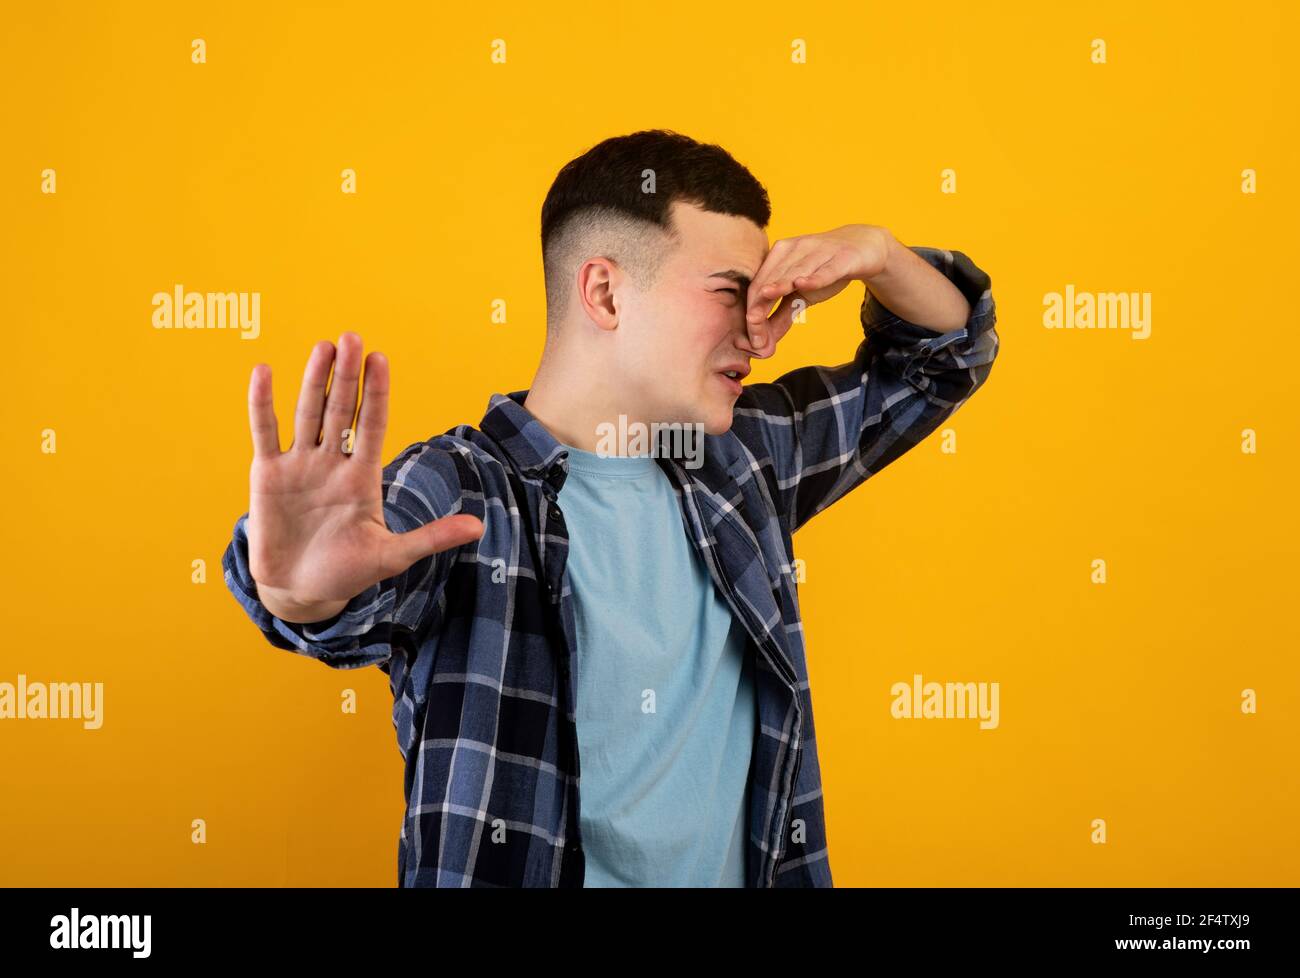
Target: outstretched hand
{"type": "Point", "coordinates": [316, 530]}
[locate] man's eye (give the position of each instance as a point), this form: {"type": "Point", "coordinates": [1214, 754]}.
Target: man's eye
{"type": "Point", "coordinates": [732, 291]}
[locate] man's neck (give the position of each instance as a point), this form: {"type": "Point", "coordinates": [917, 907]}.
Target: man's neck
{"type": "Point", "coordinates": [571, 403]}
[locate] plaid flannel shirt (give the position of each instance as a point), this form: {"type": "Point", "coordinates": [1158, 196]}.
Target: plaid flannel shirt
{"type": "Point", "coordinates": [478, 642]}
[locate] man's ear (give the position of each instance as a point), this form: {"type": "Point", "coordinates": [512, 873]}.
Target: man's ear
{"type": "Point", "coordinates": [598, 281]}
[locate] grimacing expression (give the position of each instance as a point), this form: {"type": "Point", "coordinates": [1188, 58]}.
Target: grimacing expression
{"type": "Point", "coordinates": [686, 331]}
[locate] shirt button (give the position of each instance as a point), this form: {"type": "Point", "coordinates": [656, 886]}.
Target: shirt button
{"type": "Point", "coordinates": [555, 514]}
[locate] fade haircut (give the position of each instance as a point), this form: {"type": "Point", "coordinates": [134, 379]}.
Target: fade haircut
{"type": "Point", "coordinates": [598, 205]}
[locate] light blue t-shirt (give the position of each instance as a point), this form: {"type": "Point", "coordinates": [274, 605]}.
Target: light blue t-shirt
{"type": "Point", "coordinates": [664, 687]}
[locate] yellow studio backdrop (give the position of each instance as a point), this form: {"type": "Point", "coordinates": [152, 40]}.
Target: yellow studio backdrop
{"type": "Point", "coordinates": [1107, 530]}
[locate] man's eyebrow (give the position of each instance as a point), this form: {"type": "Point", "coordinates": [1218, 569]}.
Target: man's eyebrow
{"type": "Point", "coordinates": [734, 275]}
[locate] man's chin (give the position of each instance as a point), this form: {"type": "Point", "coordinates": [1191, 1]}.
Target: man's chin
{"type": "Point", "coordinates": [719, 423]}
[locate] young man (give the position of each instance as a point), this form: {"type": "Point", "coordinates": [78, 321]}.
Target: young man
{"type": "Point", "coordinates": [538, 597]}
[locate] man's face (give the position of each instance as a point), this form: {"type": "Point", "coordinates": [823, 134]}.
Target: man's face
{"type": "Point", "coordinates": [688, 330]}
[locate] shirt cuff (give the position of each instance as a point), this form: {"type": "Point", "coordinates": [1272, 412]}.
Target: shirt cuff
{"type": "Point", "coordinates": [332, 634]}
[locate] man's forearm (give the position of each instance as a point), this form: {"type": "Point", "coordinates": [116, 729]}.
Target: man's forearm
{"type": "Point", "coordinates": [912, 289]}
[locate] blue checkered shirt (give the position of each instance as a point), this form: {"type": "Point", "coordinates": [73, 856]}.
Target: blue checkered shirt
{"type": "Point", "coordinates": [478, 642]}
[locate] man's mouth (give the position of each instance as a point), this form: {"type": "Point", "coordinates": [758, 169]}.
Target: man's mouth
{"type": "Point", "coordinates": [733, 375]}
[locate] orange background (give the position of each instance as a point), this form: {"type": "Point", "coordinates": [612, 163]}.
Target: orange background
{"type": "Point", "coordinates": [1118, 701]}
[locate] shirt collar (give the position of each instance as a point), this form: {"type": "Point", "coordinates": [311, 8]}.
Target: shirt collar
{"type": "Point", "coordinates": [535, 452]}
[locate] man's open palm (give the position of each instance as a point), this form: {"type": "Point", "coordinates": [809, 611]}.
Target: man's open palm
{"type": "Point", "coordinates": [316, 530]}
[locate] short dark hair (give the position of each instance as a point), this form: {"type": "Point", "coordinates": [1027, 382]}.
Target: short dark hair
{"type": "Point", "coordinates": [597, 204]}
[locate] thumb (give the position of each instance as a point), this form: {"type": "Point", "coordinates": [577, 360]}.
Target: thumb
{"type": "Point", "coordinates": [404, 549]}
{"type": "Point", "coordinates": [780, 322]}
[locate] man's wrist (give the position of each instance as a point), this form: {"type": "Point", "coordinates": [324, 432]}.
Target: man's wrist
{"type": "Point", "coordinates": [882, 253]}
{"type": "Point", "coordinates": [286, 608]}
